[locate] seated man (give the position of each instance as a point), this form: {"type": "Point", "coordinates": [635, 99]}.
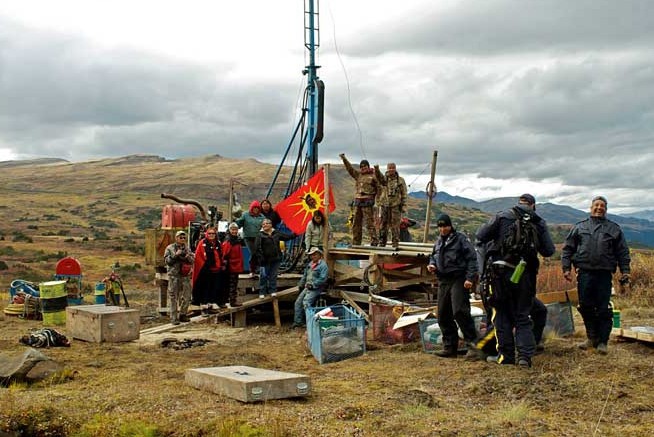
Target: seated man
{"type": "Point", "coordinates": [312, 283]}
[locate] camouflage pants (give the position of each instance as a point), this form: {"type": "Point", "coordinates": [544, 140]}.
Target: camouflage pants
{"type": "Point", "coordinates": [179, 295]}
{"type": "Point", "coordinates": [390, 218]}
{"type": "Point", "coordinates": [362, 213]}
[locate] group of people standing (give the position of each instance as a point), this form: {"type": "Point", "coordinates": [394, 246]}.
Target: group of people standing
{"type": "Point", "coordinates": [379, 201]}
{"type": "Point", "coordinates": [210, 274]}
{"type": "Point", "coordinates": [593, 248]}
{"type": "Point", "coordinates": [204, 277]}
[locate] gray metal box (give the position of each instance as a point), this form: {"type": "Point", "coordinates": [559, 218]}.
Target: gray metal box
{"type": "Point", "coordinates": [249, 384]}
{"type": "Point", "coordinates": [102, 323]}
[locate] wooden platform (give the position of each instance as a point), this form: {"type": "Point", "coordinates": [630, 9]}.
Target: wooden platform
{"type": "Point", "coordinates": [639, 333]}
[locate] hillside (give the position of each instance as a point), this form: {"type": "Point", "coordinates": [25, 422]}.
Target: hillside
{"type": "Point", "coordinates": [638, 230]}
{"type": "Point", "coordinates": [64, 206]}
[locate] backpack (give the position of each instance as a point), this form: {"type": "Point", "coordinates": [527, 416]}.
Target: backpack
{"type": "Point", "coordinates": [521, 241]}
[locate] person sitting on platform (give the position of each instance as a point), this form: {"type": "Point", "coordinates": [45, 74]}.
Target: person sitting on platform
{"type": "Point", "coordinates": [312, 284]}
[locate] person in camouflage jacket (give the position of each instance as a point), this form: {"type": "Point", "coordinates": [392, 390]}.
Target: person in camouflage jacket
{"type": "Point", "coordinates": [366, 188]}
{"type": "Point", "coordinates": [391, 200]}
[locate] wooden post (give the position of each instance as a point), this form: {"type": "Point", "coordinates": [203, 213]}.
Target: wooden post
{"type": "Point", "coordinates": [278, 320]}
{"type": "Point", "coordinates": [325, 234]}
{"type": "Point", "coordinates": [238, 319]}
{"type": "Point", "coordinates": [231, 200]}
{"type": "Point", "coordinates": [431, 193]}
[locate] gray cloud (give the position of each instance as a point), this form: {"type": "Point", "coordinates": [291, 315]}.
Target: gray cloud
{"type": "Point", "coordinates": [507, 27]}
{"type": "Point", "coordinates": [553, 92]}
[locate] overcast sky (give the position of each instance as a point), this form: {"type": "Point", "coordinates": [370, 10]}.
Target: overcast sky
{"type": "Point", "coordinates": [552, 97]}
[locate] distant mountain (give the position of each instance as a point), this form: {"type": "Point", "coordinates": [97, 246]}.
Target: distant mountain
{"type": "Point", "coordinates": [28, 162]}
{"type": "Point", "coordinates": [647, 214]}
{"type": "Point", "coordinates": [636, 228]}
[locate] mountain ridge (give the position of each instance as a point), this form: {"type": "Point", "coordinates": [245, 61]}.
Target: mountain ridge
{"type": "Point", "coordinates": [635, 229]}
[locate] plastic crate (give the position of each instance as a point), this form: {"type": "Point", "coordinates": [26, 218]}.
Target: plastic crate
{"type": "Point", "coordinates": [560, 321]}
{"type": "Point", "coordinates": [332, 340]}
{"type": "Point", "coordinates": [431, 338]}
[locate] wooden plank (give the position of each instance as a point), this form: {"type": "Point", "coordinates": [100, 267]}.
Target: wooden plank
{"type": "Point", "coordinates": [354, 305]}
{"type": "Point", "coordinates": [559, 296]}
{"type": "Point", "coordinates": [169, 326]}
{"type": "Point", "coordinates": [635, 334]}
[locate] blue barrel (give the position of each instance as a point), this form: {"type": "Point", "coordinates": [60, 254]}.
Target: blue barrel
{"type": "Point", "coordinates": [100, 289]}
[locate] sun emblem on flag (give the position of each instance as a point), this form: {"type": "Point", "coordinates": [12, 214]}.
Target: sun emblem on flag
{"type": "Point", "coordinates": [307, 202]}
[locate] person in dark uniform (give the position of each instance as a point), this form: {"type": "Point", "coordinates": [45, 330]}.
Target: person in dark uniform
{"type": "Point", "coordinates": [513, 300]}
{"type": "Point", "coordinates": [454, 261]}
{"type": "Point", "coordinates": [595, 247]}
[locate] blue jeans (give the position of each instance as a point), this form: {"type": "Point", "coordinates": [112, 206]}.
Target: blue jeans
{"type": "Point", "coordinates": [268, 277]}
{"type": "Point", "coordinates": [307, 298]}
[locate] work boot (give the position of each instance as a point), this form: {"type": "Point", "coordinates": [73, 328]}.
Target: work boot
{"type": "Point", "coordinates": [602, 349]}
{"type": "Point", "coordinates": [473, 354]}
{"type": "Point", "coordinates": [446, 353]}
{"type": "Point", "coordinates": [588, 344]}
{"type": "Point", "coordinates": [496, 359]}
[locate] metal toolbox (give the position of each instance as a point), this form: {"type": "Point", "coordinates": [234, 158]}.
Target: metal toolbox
{"type": "Point", "coordinates": [249, 384]}
{"type": "Point", "coordinates": [102, 323]}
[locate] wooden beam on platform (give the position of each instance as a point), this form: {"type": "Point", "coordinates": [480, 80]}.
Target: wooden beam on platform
{"type": "Point", "coordinates": [354, 305]}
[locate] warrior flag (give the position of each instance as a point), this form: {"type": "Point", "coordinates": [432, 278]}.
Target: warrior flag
{"type": "Point", "coordinates": [297, 209]}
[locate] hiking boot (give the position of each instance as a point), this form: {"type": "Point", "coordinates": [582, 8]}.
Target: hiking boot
{"type": "Point", "coordinates": [473, 354]}
{"type": "Point", "coordinates": [602, 349]}
{"type": "Point", "coordinates": [446, 353]}
{"type": "Point", "coordinates": [524, 363]}
{"type": "Point", "coordinates": [588, 344]}
{"type": "Point", "coordinates": [184, 318]}
{"type": "Point", "coordinates": [496, 360]}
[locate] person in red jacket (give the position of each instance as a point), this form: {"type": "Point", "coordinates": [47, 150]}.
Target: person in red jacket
{"type": "Point", "coordinates": [207, 269]}
{"type": "Point", "coordinates": [233, 259]}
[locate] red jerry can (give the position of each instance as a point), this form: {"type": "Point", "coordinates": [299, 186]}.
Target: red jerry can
{"type": "Point", "coordinates": [177, 216]}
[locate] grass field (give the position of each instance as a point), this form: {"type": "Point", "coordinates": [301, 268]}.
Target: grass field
{"type": "Point", "coordinates": [97, 212]}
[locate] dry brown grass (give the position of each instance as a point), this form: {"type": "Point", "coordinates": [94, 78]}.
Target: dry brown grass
{"type": "Point", "coordinates": [138, 389]}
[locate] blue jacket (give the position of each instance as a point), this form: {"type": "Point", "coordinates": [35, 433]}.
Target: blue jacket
{"type": "Point", "coordinates": [315, 275]}
{"type": "Point", "coordinates": [454, 256]}
{"type": "Point", "coordinates": [596, 244]}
